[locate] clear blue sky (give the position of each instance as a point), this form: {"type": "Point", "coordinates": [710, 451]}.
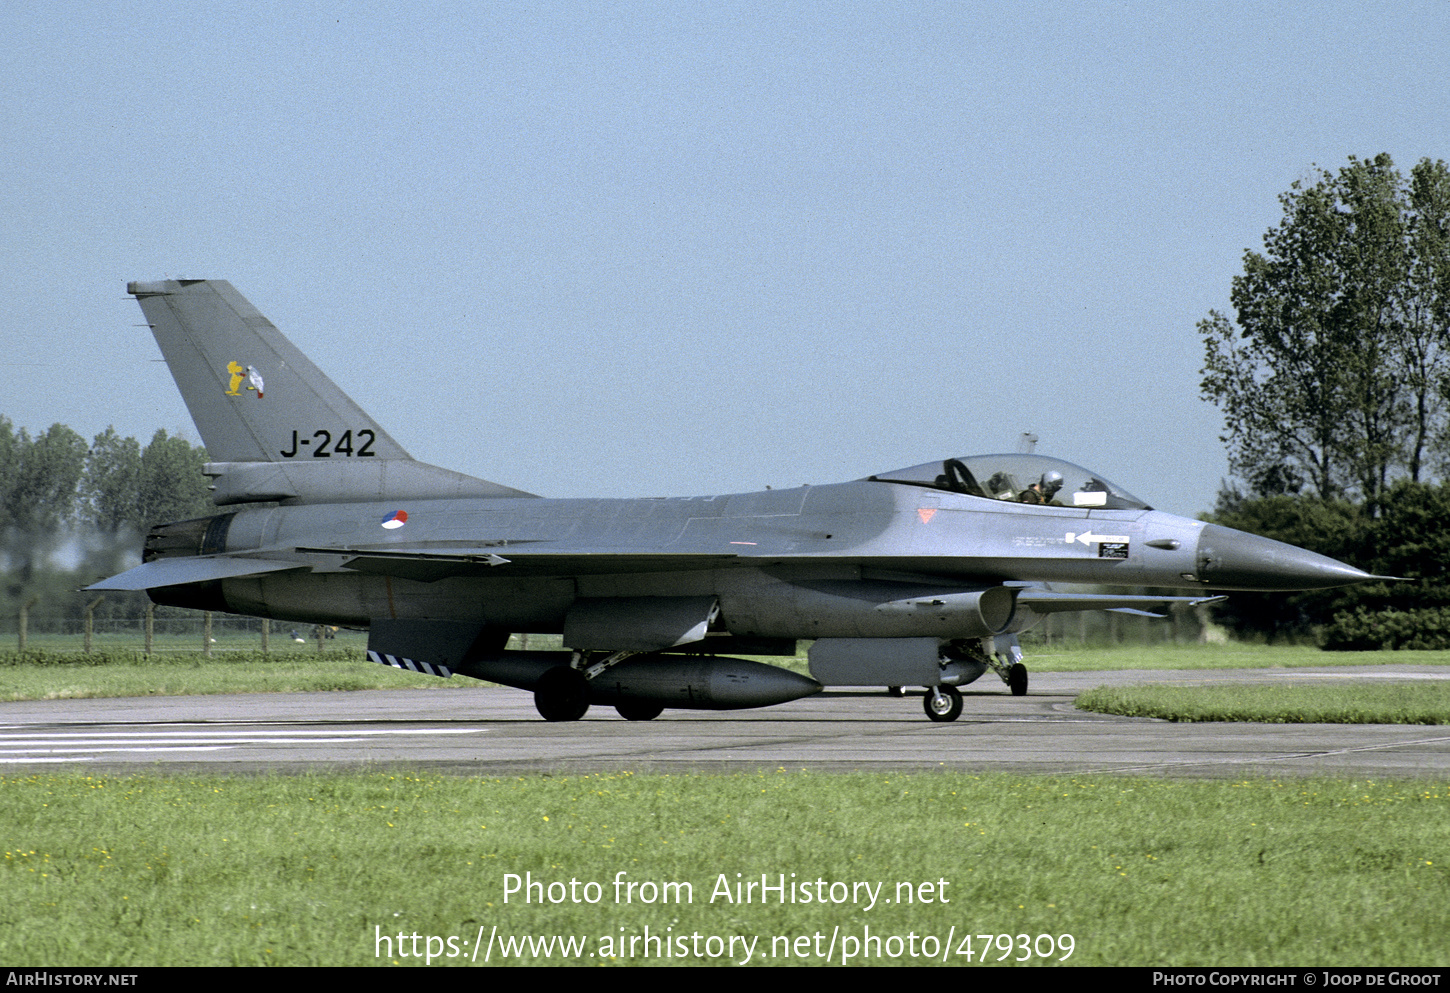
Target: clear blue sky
{"type": "Point", "coordinates": [646, 249]}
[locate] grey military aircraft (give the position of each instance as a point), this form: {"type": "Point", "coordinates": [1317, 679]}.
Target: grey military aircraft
{"type": "Point", "coordinates": [915, 577]}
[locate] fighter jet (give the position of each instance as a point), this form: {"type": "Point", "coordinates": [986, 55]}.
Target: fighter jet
{"type": "Point", "coordinates": [914, 577]}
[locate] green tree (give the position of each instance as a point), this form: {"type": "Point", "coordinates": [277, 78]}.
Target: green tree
{"type": "Point", "coordinates": [1409, 539]}
{"type": "Point", "coordinates": [1425, 330]}
{"type": "Point", "coordinates": [1329, 527]}
{"type": "Point", "coordinates": [1334, 376]}
{"type": "Point", "coordinates": [9, 444]}
{"type": "Point", "coordinates": [41, 497]}
{"type": "Point", "coordinates": [111, 488]}
{"type": "Point", "coordinates": [171, 486]}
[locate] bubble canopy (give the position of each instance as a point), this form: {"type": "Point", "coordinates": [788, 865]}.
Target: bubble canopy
{"type": "Point", "coordinates": [1031, 479]}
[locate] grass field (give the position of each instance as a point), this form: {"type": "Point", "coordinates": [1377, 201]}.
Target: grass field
{"type": "Point", "coordinates": [153, 870]}
{"type": "Point", "coordinates": [129, 640]}
{"type": "Point", "coordinates": [55, 676]}
{"type": "Point", "coordinates": [1230, 655]}
{"type": "Point", "coordinates": [1419, 702]}
{"type": "Point", "coordinates": [347, 869]}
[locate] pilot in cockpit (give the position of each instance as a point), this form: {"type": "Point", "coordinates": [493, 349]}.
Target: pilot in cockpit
{"type": "Point", "coordinates": [1044, 491]}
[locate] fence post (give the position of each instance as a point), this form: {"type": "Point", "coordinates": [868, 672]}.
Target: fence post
{"type": "Point", "coordinates": [320, 636]}
{"type": "Point", "coordinates": [206, 634]}
{"type": "Point", "coordinates": [266, 630]}
{"type": "Point", "coordinates": [91, 621]}
{"type": "Point", "coordinates": [150, 625]}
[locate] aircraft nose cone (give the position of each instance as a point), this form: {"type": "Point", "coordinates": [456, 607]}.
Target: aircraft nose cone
{"type": "Point", "coordinates": [1235, 560]}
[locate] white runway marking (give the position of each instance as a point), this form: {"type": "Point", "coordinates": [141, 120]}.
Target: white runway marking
{"type": "Point", "coordinates": [20, 745]}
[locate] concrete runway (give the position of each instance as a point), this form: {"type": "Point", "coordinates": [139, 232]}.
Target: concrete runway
{"type": "Point", "coordinates": [493, 731]}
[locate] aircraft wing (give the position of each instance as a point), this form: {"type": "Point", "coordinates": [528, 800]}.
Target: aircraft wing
{"type": "Point", "coordinates": [430, 566]}
{"type": "Point", "coordinates": [1042, 601]}
{"type": "Point", "coordinates": [528, 558]}
{"type": "Point", "coordinates": [191, 569]}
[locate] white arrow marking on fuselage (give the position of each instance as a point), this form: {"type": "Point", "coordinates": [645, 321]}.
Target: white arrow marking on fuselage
{"type": "Point", "coordinates": [1087, 538]}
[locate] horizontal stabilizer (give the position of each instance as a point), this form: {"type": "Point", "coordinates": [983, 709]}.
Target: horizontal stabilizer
{"type": "Point", "coordinates": [182, 571]}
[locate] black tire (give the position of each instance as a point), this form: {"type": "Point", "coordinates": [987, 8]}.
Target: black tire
{"type": "Point", "coordinates": [895, 691]}
{"type": "Point", "coordinates": [1017, 679]}
{"type": "Point", "coordinates": [562, 694]}
{"type": "Point", "coordinates": [943, 709]}
{"type": "Point", "coordinates": [639, 710]}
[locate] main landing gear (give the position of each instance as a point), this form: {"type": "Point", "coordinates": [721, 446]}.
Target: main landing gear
{"type": "Point", "coordinates": [639, 710]}
{"type": "Point", "coordinates": [1017, 679]}
{"type": "Point", "coordinates": [1008, 664]}
{"type": "Point", "coordinates": [562, 693]}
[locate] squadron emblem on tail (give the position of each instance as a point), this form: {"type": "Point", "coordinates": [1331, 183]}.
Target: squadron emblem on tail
{"type": "Point", "coordinates": [239, 373]}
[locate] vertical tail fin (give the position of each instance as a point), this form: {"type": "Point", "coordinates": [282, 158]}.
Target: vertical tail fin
{"type": "Point", "coordinates": [253, 395]}
{"type": "Point", "coordinates": [275, 427]}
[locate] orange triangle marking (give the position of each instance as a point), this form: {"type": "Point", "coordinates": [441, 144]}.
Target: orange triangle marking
{"type": "Point", "coordinates": [926, 514]}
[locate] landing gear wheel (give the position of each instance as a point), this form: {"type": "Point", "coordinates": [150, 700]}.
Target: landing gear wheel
{"type": "Point", "coordinates": [562, 694]}
{"type": "Point", "coordinates": [639, 710]}
{"type": "Point", "coordinates": [895, 691]}
{"type": "Point", "coordinates": [943, 704]}
{"type": "Point", "coordinates": [1017, 679]}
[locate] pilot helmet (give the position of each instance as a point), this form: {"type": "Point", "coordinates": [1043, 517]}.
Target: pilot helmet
{"type": "Point", "coordinates": [1051, 483]}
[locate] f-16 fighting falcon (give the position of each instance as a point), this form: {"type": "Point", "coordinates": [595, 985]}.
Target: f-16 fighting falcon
{"type": "Point", "coordinates": [914, 577]}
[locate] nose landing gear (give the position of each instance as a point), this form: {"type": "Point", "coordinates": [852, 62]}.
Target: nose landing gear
{"type": "Point", "coordinates": [943, 704]}
{"type": "Point", "coordinates": [963, 661]}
